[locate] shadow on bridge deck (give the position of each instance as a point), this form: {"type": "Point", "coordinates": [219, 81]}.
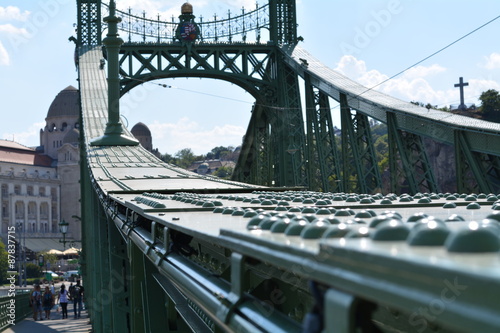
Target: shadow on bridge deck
{"type": "Point", "coordinates": [55, 324]}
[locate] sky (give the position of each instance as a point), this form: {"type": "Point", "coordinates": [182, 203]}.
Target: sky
{"type": "Point", "coordinates": [367, 40]}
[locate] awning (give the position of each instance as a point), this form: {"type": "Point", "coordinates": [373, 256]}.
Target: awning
{"type": "Point", "coordinates": [46, 245]}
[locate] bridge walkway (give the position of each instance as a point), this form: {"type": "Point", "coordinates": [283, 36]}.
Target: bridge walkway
{"type": "Point", "coordinates": [55, 324]}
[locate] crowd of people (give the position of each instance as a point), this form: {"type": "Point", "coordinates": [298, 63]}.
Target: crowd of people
{"type": "Point", "coordinates": [44, 302]}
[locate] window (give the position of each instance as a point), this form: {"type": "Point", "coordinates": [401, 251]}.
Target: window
{"type": "Point", "coordinates": [30, 190]}
{"type": "Point", "coordinates": [32, 210]}
{"type": "Point", "coordinates": [41, 191]}
{"type": "Point", "coordinates": [5, 209]}
{"type": "Point", "coordinates": [17, 189]}
{"type": "Point", "coordinates": [5, 190]}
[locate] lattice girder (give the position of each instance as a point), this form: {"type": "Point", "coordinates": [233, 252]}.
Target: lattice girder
{"type": "Point", "coordinates": [471, 176]}
{"type": "Point", "coordinates": [408, 160]}
{"type": "Point", "coordinates": [359, 161]}
{"type": "Point", "coordinates": [89, 26]}
{"type": "Point", "coordinates": [245, 65]}
{"type": "Point", "coordinates": [323, 157]}
{"type": "Point", "coordinates": [254, 161]}
{"type": "Point", "coordinates": [288, 131]}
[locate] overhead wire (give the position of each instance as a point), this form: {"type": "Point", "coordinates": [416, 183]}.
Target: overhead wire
{"type": "Point", "coordinates": [353, 97]}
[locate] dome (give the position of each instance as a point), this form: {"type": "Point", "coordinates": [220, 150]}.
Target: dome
{"type": "Point", "coordinates": [203, 166]}
{"type": "Point", "coordinates": [140, 129]}
{"type": "Point", "coordinates": [72, 136]}
{"type": "Point", "coordinates": [187, 8]}
{"type": "Point", "coordinates": [65, 104]}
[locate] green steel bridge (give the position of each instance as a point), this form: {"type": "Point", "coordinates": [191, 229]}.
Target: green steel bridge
{"type": "Point", "coordinates": [300, 240]}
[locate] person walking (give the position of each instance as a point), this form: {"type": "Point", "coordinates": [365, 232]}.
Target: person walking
{"type": "Point", "coordinates": [63, 301]}
{"type": "Point", "coordinates": [36, 302]}
{"type": "Point", "coordinates": [48, 302]}
{"type": "Point", "coordinates": [77, 296]}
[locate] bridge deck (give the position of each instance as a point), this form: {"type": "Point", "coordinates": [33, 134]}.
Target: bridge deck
{"type": "Point", "coordinates": [55, 324]}
{"type": "Point", "coordinates": [391, 272]}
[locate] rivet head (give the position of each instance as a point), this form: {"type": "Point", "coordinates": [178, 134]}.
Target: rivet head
{"type": "Point", "coordinates": [432, 233]}
{"type": "Point", "coordinates": [295, 228]}
{"type": "Point", "coordinates": [391, 230]}
{"type": "Point", "coordinates": [337, 231]}
{"type": "Point", "coordinates": [473, 239]}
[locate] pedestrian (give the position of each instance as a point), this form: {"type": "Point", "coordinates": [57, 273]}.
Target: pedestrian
{"type": "Point", "coordinates": [63, 301]}
{"type": "Point", "coordinates": [77, 296]}
{"type": "Point", "coordinates": [53, 289]}
{"type": "Point", "coordinates": [48, 302]}
{"type": "Point", "coordinates": [36, 302]}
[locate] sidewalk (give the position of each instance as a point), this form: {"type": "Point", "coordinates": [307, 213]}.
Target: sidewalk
{"type": "Point", "coordinates": [55, 324]}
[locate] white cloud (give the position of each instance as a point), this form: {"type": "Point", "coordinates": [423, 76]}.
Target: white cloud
{"type": "Point", "coordinates": [492, 61]}
{"type": "Point", "coordinates": [186, 133]}
{"type": "Point", "coordinates": [4, 56]}
{"type": "Point", "coordinates": [13, 13]}
{"type": "Point", "coordinates": [13, 30]}
{"type": "Point", "coordinates": [29, 137]}
{"type": "Point", "coordinates": [410, 86]}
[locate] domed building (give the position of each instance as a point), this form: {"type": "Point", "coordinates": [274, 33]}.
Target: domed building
{"type": "Point", "coordinates": [142, 133]}
{"type": "Point", "coordinates": [40, 187]}
{"type": "Point", "coordinates": [62, 118]}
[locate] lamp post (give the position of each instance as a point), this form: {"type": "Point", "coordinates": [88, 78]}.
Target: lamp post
{"type": "Point", "coordinates": [41, 261]}
{"type": "Point", "coordinates": [63, 228]}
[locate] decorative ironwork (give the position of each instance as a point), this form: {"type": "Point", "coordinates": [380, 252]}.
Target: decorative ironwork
{"type": "Point", "coordinates": [139, 28]}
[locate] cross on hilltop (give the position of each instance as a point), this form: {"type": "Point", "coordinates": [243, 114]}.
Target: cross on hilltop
{"type": "Point", "coordinates": [461, 84]}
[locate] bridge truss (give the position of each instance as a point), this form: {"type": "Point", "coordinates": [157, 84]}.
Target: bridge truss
{"type": "Point", "coordinates": [166, 250]}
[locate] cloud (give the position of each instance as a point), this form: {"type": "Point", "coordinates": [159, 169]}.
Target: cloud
{"type": "Point", "coordinates": [410, 86]}
{"type": "Point", "coordinates": [29, 137]}
{"type": "Point", "coordinates": [172, 137]}
{"type": "Point", "coordinates": [11, 13]}
{"type": "Point", "coordinates": [4, 56]}
{"type": "Point", "coordinates": [492, 61]}
{"type": "Point", "coordinates": [12, 30]}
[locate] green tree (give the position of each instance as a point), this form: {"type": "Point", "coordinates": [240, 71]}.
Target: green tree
{"type": "Point", "coordinates": [167, 158]}
{"type": "Point", "coordinates": [3, 262]}
{"type": "Point", "coordinates": [33, 270]}
{"type": "Point", "coordinates": [490, 104]}
{"type": "Point", "coordinates": [185, 157]}
{"type": "Point", "coordinates": [224, 172]}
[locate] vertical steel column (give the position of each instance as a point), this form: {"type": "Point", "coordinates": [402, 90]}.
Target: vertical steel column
{"type": "Point", "coordinates": [89, 22]}
{"type": "Point", "coordinates": [322, 152]}
{"type": "Point", "coordinates": [136, 291]}
{"type": "Point", "coordinates": [114, 134]}
{"type": "Point", "coordinates": [254, 162]}
{"type": "Point", "coordinates": [468, 165]}
{"type": "Point", "coordinates": [288, 131]}
{"type": "Point", "coordinates": [119, 280]}
{"type": "Point", "coordinates": [396, 148]}
{"type": "Point", "coordinates": [154, 301]}
{"type": "Point", "coordinates": [283, 21]}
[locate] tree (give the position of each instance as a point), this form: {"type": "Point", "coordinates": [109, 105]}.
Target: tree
{"type": "Point", "coordinates": [224, 172]}
{"type": "Point", "coordinates": [33, 270]}
{"type": "Point", "coordinates": [167, 158]}
{"type": "Point", "coordinates": [185, 157]}
{"type": "Point", "coordinates": [3, 262]}
{"type": "Point", "coordinates": [490, 104]}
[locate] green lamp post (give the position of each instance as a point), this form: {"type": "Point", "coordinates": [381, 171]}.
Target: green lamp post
{"type": "Point", "coordinates": [114, 133]}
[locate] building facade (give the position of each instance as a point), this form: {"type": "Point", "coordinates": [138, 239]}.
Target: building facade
{"type": "Point", "coordinates": [40, 186]}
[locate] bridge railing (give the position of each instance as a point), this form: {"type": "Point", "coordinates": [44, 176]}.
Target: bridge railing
{"type": "Point", "coordinates": [141, 28]}
{"type": "Point", "coordinates": [14, 309]}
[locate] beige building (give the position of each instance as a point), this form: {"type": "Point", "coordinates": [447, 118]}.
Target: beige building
{"type": "Point", "coordinates": [40, 186]}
